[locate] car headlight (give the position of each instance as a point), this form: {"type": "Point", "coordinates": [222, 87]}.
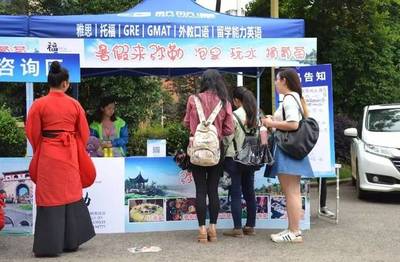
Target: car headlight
{"type": "Point", "coordinates": [382, 151]}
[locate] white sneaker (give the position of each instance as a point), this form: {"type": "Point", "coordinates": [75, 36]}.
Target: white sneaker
{"type": "Point", "coordinates": [287, 236]}
{"type": "Point", "coordinates": [280, 233]}
{"type": "Point", "coordinates": [326, 212]}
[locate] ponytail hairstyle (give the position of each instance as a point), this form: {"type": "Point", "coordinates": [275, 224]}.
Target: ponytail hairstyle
{"type": "Point", "coordinates": [249, 104]}
{"type": "Point", "coordinates": [57, 75]}
{"type": "Point", "coordinates": [294, 85]}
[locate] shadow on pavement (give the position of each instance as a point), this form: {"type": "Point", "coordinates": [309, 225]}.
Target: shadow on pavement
{"type": "Point", "coordinates": [387, 198]}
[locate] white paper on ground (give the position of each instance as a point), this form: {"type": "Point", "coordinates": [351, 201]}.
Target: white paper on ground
{"type": "Point", "coordinates": [144, 249]}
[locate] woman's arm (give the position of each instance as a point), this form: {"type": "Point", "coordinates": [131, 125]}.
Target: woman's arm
{"type": "Point", "coordinates": [93, 132]}
{"type": "Point", "coordinates": [82, 125]}
{"type": "Point", "coordinates": [123, 137]}
{"type": "Point", "coordinates": [228, 127]}
{"type": "Point", "coordinates": [186, 120]}
{"type": "Point", "coordinates": [33, 127]}
{"type": "Point", "coordinates": [281, 125]}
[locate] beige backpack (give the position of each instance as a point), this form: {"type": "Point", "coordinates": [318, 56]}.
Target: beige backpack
{"type": "Point", "coordinates": [204, 147]}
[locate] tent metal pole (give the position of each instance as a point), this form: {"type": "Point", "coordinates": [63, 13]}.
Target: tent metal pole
{"type": "Point", "coordinates": [258, 91]}
{"type": "Point", "coordinates": [75, 91]}
{"type": "Point", "coordinates": [239, 79]}
{"type": "Point", "coordinates": [29, 101]}
{"type": "Point", "coordinates": [274, 14]}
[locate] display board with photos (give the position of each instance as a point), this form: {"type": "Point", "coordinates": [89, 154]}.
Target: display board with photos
{"type": "Point", "coordinates": [162, 197]}
{"type": "Point", "coordinates": [141, 194]}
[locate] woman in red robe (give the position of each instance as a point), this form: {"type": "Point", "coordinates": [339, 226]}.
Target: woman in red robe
{"type": "Point", "coordinates": [57, 130]}
{"type": "Point", "coordinates": [2, 205]}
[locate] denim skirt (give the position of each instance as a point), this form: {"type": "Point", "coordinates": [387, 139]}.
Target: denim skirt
{"type": "Point", "coordinates": [286, 165]}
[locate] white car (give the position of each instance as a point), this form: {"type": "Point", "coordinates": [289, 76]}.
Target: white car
{"type": "Point", "coordinates": [375, 150]}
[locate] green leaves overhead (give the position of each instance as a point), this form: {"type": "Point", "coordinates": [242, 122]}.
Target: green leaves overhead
{"type": "Point", "coordinates": [360, 38]}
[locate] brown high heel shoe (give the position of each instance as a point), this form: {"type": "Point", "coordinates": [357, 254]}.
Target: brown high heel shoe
{"type": "Point", "coordinates": [202, 237]}
{"type": "Point", "coordinates": [212, 234]}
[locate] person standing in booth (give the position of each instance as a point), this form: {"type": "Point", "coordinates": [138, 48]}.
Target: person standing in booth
{"type": "Point", "coordinates": [58, 132]}
{"type": "Point", "coordinates": [206, 178]}
{"type": "Point", "coordinates": [111, 130]}
{"type": "Point", "coordinates": [288, 169]}
{"type": "Point", "coordinates": [242, 176]}
{"type": "Point", "coordinates": [2, 205]}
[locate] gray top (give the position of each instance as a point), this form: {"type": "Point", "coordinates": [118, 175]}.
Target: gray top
{"type": "Point", "coordinates": [239, 135]}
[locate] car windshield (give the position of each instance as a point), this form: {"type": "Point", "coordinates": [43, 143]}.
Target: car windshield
{"type": "Point", "coordinates": [384, 120]}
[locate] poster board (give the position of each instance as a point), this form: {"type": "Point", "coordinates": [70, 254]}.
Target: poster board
{"type": "Point", "coordinates": [317, 90]}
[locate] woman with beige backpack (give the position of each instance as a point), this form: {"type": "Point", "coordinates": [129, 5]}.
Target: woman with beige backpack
{"type": "Point", "coordinates": [208, 118]}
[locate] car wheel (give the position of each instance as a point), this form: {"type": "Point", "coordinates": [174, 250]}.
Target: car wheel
{"type": "Point", "coordinates": [361, 194]}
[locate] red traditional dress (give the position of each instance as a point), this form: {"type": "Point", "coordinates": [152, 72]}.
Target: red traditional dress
{"type": "Point", "coordinates": [55, 167]}
{"type": "Point", "coordinates": [1, 211]}
{"type": "Point", "coordinates": [57, 130]}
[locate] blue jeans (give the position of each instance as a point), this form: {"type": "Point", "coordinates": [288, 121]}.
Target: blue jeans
{"type": "Point", "coordinates": [242, 182]}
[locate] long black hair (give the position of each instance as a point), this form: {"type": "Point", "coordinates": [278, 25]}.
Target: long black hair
{"type": "Point", "coordinates": [213, 80]}
{"type": "Point", "coordinates": [105, 101]}
{"type": "Point", "coordinates": [294, 85]}
{"type": "Point", "coordinates": [57, 74]}
{"type": "Point", "coordinates": [249, 104]}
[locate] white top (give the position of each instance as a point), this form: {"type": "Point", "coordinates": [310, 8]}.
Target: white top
{"type": "Point", "coordinates": [292, 110]}
{"type": "Point", "coordinates": [238, 135]}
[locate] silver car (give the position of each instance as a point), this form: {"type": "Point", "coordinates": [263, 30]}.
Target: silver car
{"type": "Point", "coordinates": [375, 150]}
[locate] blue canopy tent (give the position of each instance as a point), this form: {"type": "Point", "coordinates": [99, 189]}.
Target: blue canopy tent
{"type": "Point", "coordinates": [150, 13]}
{"type": "Point", "coordinates": [160, 12]}
{"type": "Point", "coordinates": [11, 25]}
{"type": "Point", "coordinates": [135, 23]}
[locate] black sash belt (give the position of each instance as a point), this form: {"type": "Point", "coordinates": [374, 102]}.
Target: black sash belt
{"type": "Point", "coordinates": [52, 133]}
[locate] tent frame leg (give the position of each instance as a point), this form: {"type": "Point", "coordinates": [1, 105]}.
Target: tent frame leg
{"type": "Point", "coordinates": [29, 100]}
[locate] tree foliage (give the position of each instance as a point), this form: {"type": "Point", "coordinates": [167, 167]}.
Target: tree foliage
{"type": "Point", "coordinates": [360, 38]}
{"type": "Point", "coordinates": [12, 137]}
{"type": "Point", "coordinates": [65, 7]}
{"type": "Point", "coordinates": [138, 97]}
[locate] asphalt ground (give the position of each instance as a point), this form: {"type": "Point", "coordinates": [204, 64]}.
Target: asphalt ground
{"type": "Point", "coordinates": [367, 231]}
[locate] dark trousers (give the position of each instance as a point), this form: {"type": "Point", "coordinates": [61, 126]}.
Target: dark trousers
{"type": "Point", "coordinates": [322, 202]}
{"type": "Point", "coordinates": [61, 228]}
{"type": "Point", "coordinates": [206, 180]}
{"type": "Point", "coordinates": [242, 183]}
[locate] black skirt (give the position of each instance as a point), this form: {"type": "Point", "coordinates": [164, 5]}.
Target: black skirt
{"type": "Point", "coordinates": [62, 228]}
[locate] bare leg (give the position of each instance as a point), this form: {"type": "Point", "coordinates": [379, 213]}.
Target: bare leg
{"type": "Point", "coordinates": [291, 189]}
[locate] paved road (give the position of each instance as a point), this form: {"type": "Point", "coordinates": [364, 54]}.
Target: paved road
{"type": "Point", "coordinates": [367, 231]}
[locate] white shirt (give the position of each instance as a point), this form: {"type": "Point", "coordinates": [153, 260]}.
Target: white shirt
{"type": "Point", "coordinates": [292, 110]}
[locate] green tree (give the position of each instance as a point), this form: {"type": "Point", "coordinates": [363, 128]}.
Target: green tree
{"type": "Point", "coordinates": [64, 7]}
{"type": "Point", "coordinates": [185, 86]}
{"type": "Point", "coordinates": [12, 95]}
{"type": "Point", "coordinates": [12, 137]}
{"type": "Point", "coordinates": [14, 7]}
{"type": "Point", "coordinates": [360, 38]}
{"type": "Point", "coordinates": [138, 97]}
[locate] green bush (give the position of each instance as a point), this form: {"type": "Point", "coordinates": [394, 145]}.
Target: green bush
{"type": "Point", "coordinates": [138, 139]}
{"type": "Point", "coordinates": [342, 143]}
{"type": "Point", "coordinates": [12, 137]}
{"type": "Point", "coordinates": [176, 135]}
